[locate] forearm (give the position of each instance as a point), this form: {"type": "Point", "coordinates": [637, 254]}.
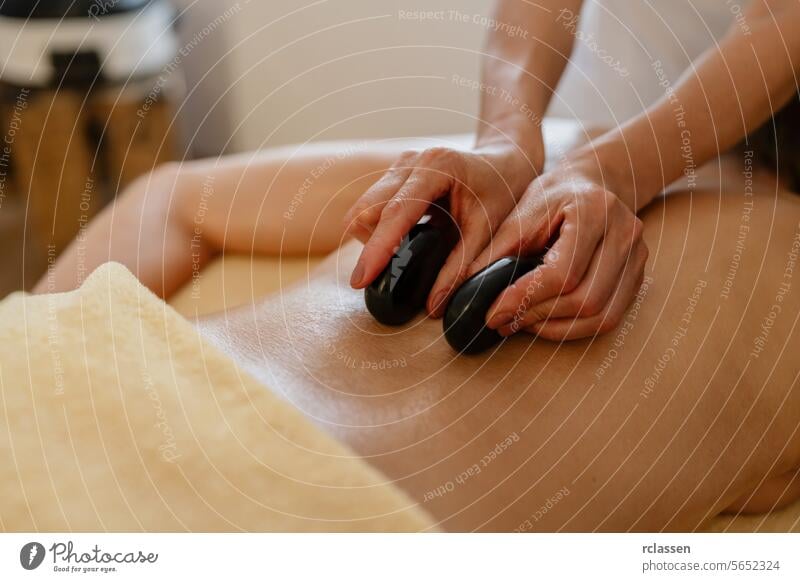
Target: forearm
{"type": "Point", "coordinates": [521, 71]}
{"type": "Point", "coordinates": [731, 90]}
{"type": "Point", "coordinates": [166, 225]}
{"type": "Point", "coordinates": [288, 200]}
{"type": "Point", "coordinates": [142, 230]}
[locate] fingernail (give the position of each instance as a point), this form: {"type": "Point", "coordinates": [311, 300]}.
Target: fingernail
{"type": "Point", "coordinates": [500, 319]}
{"type": "Point", "coordinates": [358, 273]}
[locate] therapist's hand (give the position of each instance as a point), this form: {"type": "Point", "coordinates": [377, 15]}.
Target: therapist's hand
{"type": "Point", "coordinates": [595, 264]}
{"type": "Point", "coordinates": [481, 187]}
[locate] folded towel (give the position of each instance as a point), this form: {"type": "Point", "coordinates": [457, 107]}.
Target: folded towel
{"type": "Point", "coordinates": [120, 417]}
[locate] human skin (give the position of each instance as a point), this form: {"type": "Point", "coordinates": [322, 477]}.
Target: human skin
{"type": "Point", "coordinates": [717, 430]}
{"type": "Point", "coordinates": [172, 221]}
{"type": "Point", "coordinates": [480, 186]}
{"type": "Point", "coordinates": [597, 252]}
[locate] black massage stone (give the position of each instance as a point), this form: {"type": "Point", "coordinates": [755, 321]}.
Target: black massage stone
{"type": "Point", "coordinates": [465, 318]}
{"type": "Point", "coordinates": [400, 291]}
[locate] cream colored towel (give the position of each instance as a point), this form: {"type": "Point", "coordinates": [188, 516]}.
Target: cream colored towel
{"type": "Point", "coordinates": [116, 415]}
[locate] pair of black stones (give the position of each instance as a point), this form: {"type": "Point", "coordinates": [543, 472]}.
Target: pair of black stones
{"type": "Point", "coordinates": [399, 293]}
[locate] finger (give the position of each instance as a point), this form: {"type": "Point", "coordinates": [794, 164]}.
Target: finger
{"type": "Point", "coordinates": [359, 232]}
{"type": "Point", "coordinates": [528, 227]}
{"type": "Point", "coordinates": [401, 213]}
{"type": "Point", "coordinates": [562, 271]}
{"type": "Point", "coordinates": [609, 319]}
{"type": "Point", "coordinates": [474, 237]}
{"type": "Point", "coordinates": [614, 254]}
{"type": "Point", "coordinates": [365, 213]}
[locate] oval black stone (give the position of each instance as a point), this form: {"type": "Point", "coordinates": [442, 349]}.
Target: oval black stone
{"type": "Point", "coordinates": [400, 291]}
{"type": "Point", "coordinates": [465, 317]}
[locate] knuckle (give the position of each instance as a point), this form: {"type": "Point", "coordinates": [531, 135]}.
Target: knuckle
{"type": "Point", "coordinates": [394, 208]}
{"type": "Point", "coordinates": [361, 206]}
{"type": "Point", "coordinates": [599, 204]}
{"type": "Point", "coordinates": [609, 200]}
{"type": "Point", "coordinates": [364, 220]}
{"type": "Point", "coordinates": [520, 298]}
{"type": "Point", "coordinates": [467, 198]}
{"type": "Point", "coordinates": [441, 157]}
{"type": "Point", "coordinates": [438, 153]}
{"type": "Point", "coordinates": [569, 280]}
{"type": "Point", "coordinates": [591, 305]}
{"type": "Point", "coordinates": [407, 158]}
{"type": "Point", "coordinates": [608, 323]}
{"type": "Point", "coordinates": [538, 313]}
{"type": "Point", "coordinates": [360, 233]}
{"type": "Point", "coordinates": [512, 297]}
{"type": "Point", "coordinates": [638, 228]}
{"type": "Point", "coordinates": [366, 213]}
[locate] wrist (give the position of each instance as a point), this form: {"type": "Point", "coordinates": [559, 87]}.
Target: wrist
{"type": "Point", "coordinates": [610, 165]}
{"type": "Point", "coordinates": [526, 137]}
{"type": "Point", "coordinates": [518, 158]}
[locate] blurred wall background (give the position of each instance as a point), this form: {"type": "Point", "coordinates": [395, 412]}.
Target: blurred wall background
{"type": "Point", "coordinates": [248, 74]}
{"type": "Point", "coordinates": [267, 73]}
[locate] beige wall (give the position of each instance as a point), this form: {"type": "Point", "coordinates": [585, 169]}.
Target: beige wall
{"type": "Point", "coordinates": [290, 71]}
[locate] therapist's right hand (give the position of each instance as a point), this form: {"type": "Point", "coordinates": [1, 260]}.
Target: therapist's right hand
{"type": "Point", "coordinates": [482, 186]}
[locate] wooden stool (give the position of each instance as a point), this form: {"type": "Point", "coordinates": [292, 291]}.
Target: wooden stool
{"type": "Point", "coordinates": [70, 153]}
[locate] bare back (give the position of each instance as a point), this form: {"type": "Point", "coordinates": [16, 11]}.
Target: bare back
{"type": "Point", "coordinates": [692, 393]}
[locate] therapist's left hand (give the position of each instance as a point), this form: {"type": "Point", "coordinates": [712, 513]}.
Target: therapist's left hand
{"type": "Point", "coordinates": [478, 187]}
{"type": "Point", "coordinates": [594, 266]}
